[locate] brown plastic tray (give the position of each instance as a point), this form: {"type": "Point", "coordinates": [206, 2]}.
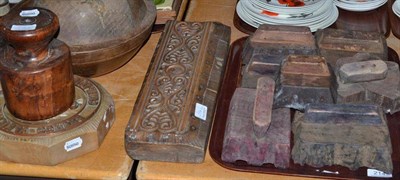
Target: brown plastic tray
{"type": "Point", "coordinates": [232, 80]}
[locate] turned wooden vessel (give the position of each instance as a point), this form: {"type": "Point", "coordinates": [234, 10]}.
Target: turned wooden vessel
{"type": "Point", "coordinates": [47, 115]}
{"type": "Point", "coordinates": [102, 35]}
{"type": "Point", "coordinates": [36, 77]}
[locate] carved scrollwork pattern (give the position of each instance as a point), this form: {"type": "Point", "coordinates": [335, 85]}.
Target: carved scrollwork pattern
{"type": "Point", "coordinates": [167, 95]}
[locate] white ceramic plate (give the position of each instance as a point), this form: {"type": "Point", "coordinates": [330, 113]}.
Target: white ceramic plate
{"type": "Point", "coordinates": [396, 8]}
{"type": "Point", "coordinates": [250, 15]}
{"type": "Point", "coordinates": [359, 7]}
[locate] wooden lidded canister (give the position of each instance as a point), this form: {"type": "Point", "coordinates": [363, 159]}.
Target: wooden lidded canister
{"type": "Point", "coordinates": [36, 70]}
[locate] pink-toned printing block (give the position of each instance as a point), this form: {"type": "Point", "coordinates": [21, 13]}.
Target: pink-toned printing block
{"type": "Point", "coordinates": [240, 141]}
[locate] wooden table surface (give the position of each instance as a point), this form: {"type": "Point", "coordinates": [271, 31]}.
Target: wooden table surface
{"type": "Point", "coordinates": [111, 161]}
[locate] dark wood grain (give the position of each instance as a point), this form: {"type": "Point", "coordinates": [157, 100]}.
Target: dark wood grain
{"type": "Point", "coordinates": [232, 79]}
{"type": "Point", "coordinates": [36, 77]}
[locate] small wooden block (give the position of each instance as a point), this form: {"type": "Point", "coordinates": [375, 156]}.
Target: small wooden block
{"type": "Point", "coordinates": [303, 70]}
{"type": "Point", "coordinates": [336, 43]}
{"type": "Point", "coordinates": [261, 65]}
{"type": "Point", "coordinates": [265, 64]}
{"type": "Point", "coordinates": [282, 35]}
{"type": "Point", "coordinates": [335, 134]}
{"type": "Point", "coordinates": [263, 105]}
{"type": "Point", "coordinates": [369, 91]}
{"type": "Point", "coordinates": [363, 71]}
{"type": "Point", "coordinates": [265, 50]}
{"type": "Point", "coordinates": [240, 142]}
{"type": "Point", "coordinates": [172, 117]}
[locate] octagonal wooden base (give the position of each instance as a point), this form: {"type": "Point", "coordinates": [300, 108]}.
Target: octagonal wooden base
{"type": "Point", "coordinates": [77, 131]}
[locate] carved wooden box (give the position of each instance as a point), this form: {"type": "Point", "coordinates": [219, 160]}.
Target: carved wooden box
{"type": "Point", "coordinates": [269, 46]}
{"type": "Point", "coordinates": [348, 135]}
{"type": "Point", "coordinates": [172, 116]}
{"type": "Point", "coordinates": [359, 79]}
{"type": "Point", "coordinates": [303, 79]}
{"type": "Point", "coordinates": [336, 43]}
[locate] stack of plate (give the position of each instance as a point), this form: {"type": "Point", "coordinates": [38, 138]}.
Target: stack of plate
{"type": "Point", "coordinates": [396, 8]}
{"type": "Point", "coordinates": [359, 5]}
{"type": "Point", "coordinates": [316, 14]}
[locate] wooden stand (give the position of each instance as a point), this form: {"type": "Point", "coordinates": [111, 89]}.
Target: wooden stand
{"type": "Point", "coordinates": [47, 115]}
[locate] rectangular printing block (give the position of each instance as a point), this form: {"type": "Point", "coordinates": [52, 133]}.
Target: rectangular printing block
{"type": "Point", "coordinates": [365, 86]}
{"type": "Point", "coordinates": [301, 70]}
{"type": "Point", "coordinates": [342, 134]}
{"type": "Point", "coordinates": [303, 79]}
{"type": "Point", "coordinates": [241, 141]}
{"type": "Point", "coordinates": [265, 50]}
{"type": "Point", "coordinates": [337, 43]}
{"type": "Point", "coordinates": [173, 114]}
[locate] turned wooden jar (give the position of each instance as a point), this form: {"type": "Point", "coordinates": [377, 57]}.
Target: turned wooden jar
{"type": "Point", "coordinates": [102, 35]}
{"type": "Point", "coordinates": [36, 78]}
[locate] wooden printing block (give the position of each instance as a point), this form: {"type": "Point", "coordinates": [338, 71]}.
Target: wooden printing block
{"type": "Point", "coordinates": [265, 50]}
{"type": "Point", "coordinates": [172, 117]}
{"type": "Point", "coordinates": [240, 140]}
{"type": "Point", "coordinates": [261, 65]}
{"type": "Point", "coordinates": [383, 92]}
{"type": "Point", "coordinates": [300, 70]}
{"type": "Point", "coordinates": [342, 134]}
{"type": "Point", "coordinates": [337, 43]}
{"type": "Point", "coordinates": [363, 71]}
{"type": "Point", "coordinates": [303, 79]}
